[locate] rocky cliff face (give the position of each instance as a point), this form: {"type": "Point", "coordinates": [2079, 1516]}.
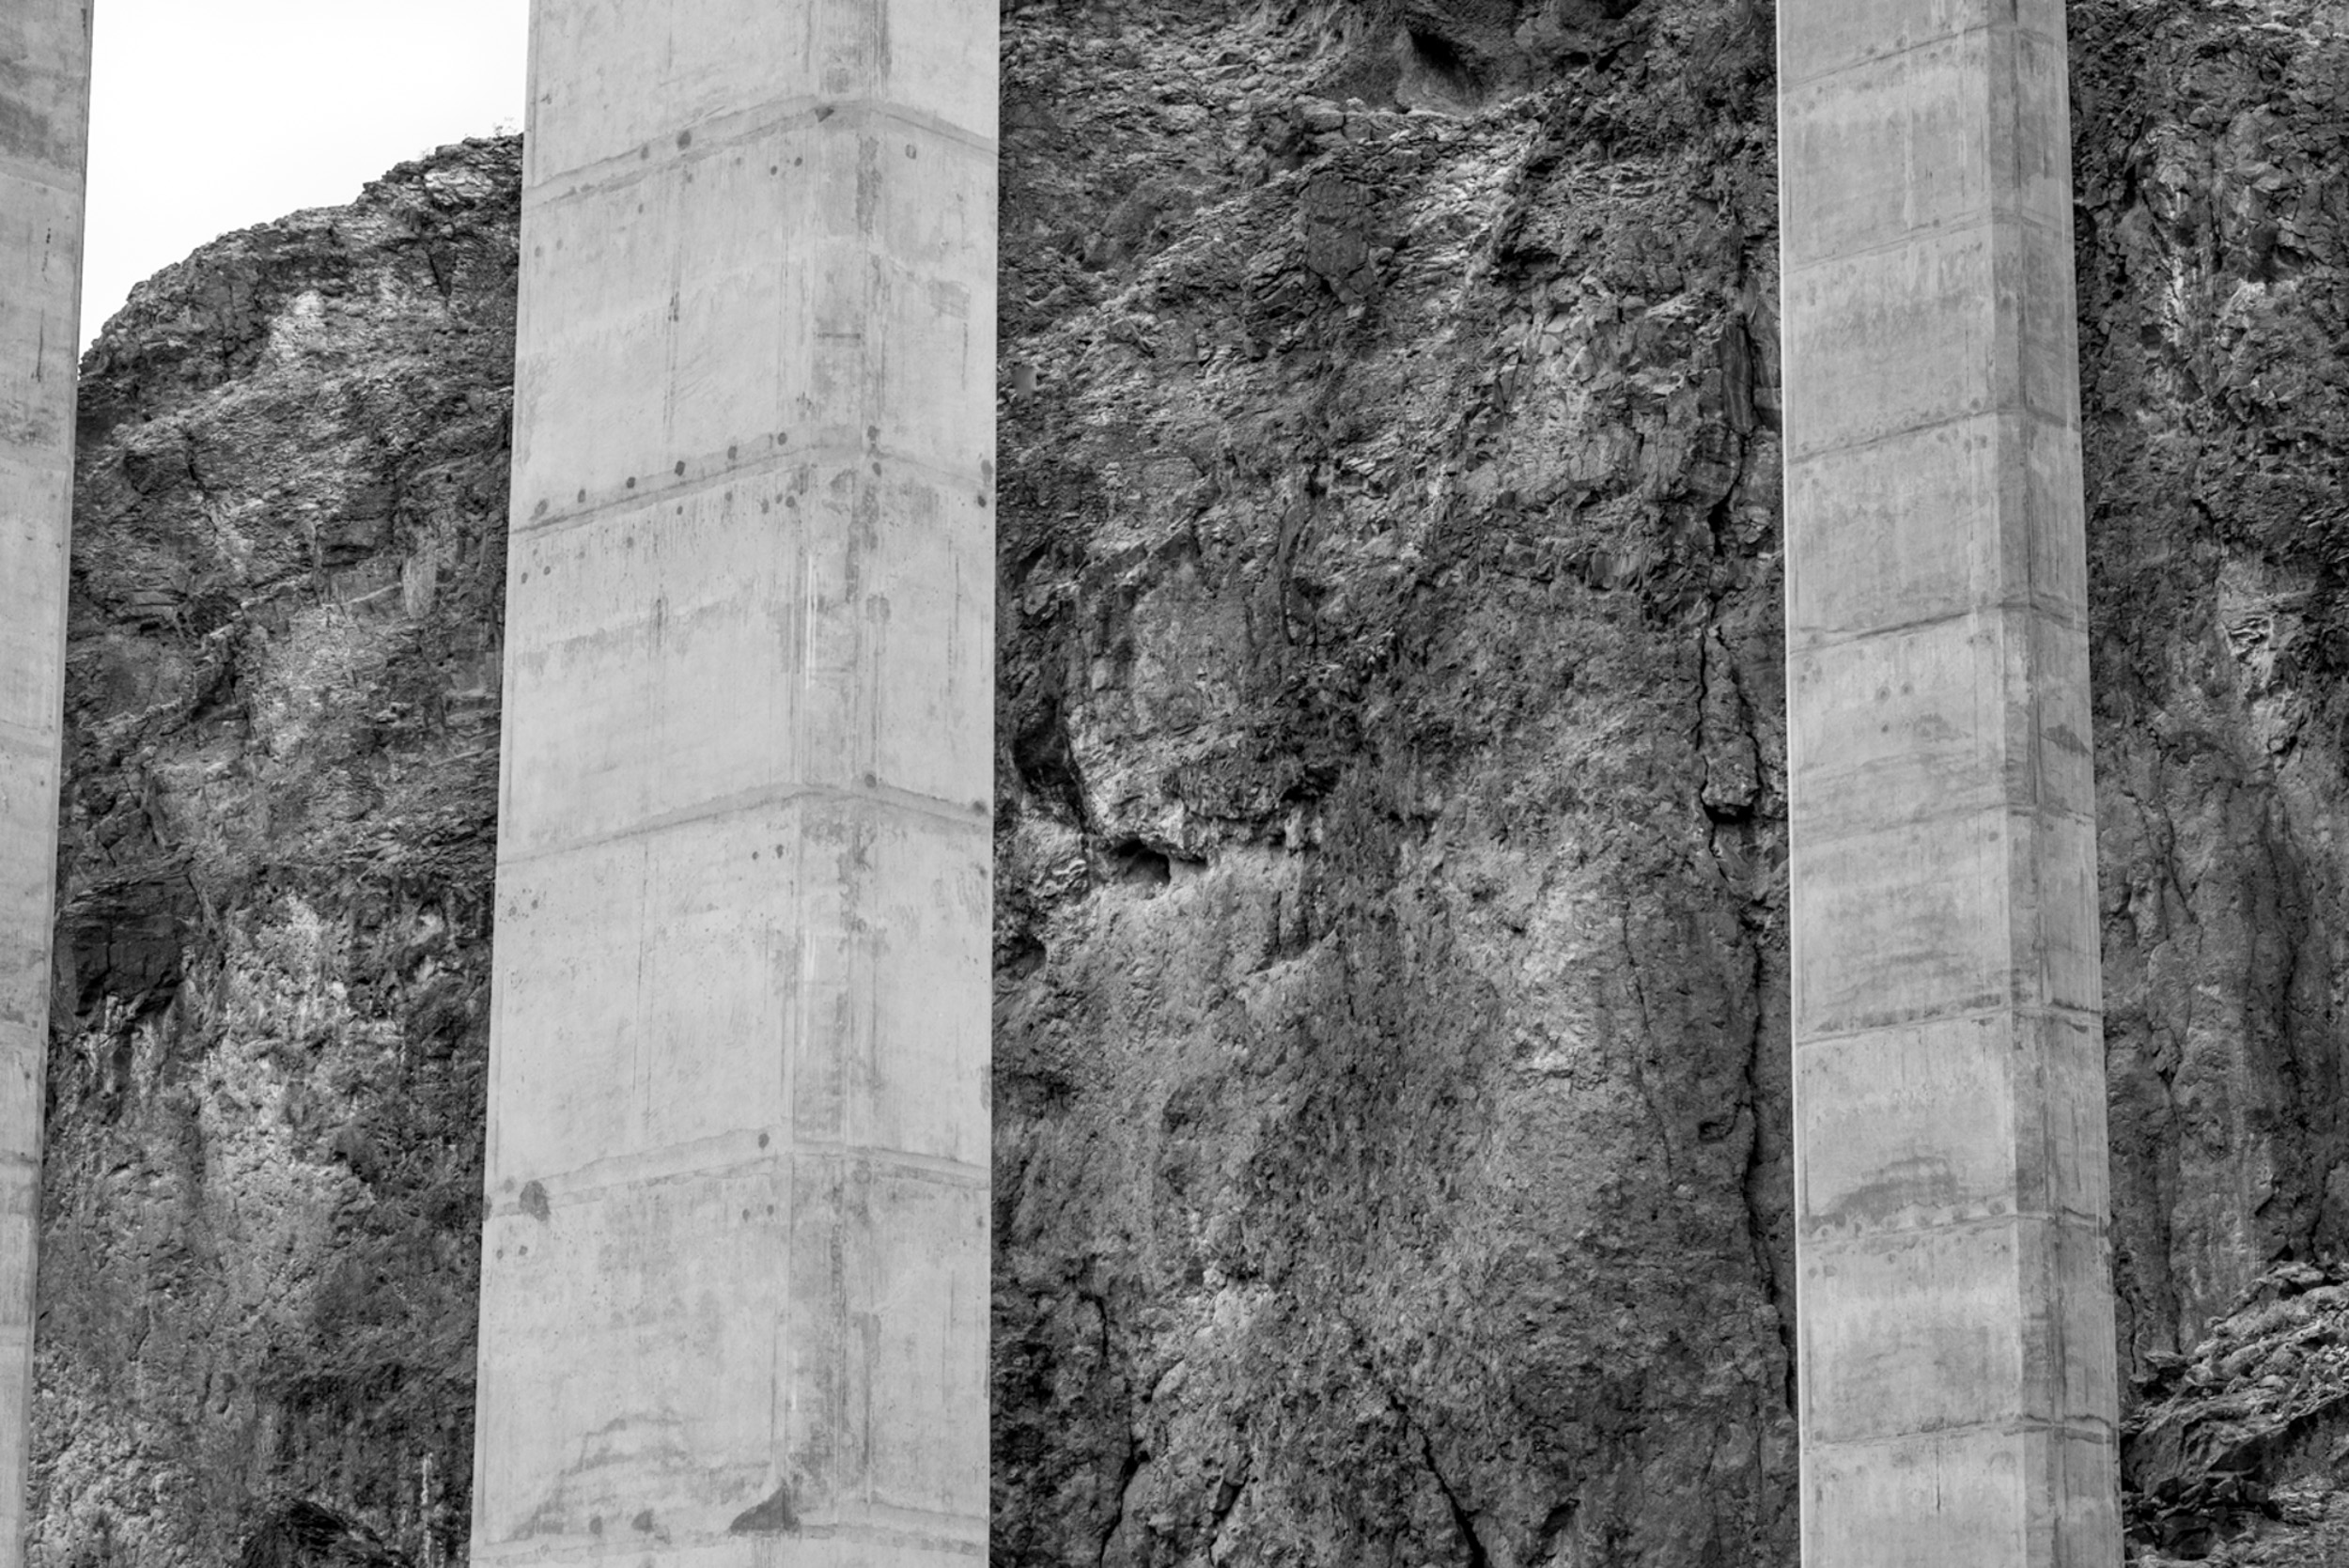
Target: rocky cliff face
{"type": "Point", "coordinates": [1390, 1158]}
{"type": "Point", "coordinates": [2213, 238]}
{"type": "Point", "coordinates": [2214, 224]}
{"type": "Point", "coordinates": [1391, 1036]}
{"type": "Point", "coordinates": [265, 1090]}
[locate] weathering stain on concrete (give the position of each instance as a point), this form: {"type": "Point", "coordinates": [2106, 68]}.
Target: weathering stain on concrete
{"type": "Point", "coordinates": [771, 1517]}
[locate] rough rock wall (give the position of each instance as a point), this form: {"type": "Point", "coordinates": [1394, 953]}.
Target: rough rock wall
{"type": "Point", "coordinates": [1390, 1030]}
{"type": "Point", "coordinates": [2213, 223]}
{"type": "Point", "coordinates": [1391, 1035]}
{"type": "Point", "coordinates": [2214, 262]}
{"type": "Point", "coordinates": [262, 1185]}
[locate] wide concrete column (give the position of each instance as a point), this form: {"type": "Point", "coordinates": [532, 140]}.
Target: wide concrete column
{"type": "Point", "coordinates": [1956, 1356]}
{"type": "Point", "coordinates": [735, 1275]}
{"type": "Point", "coordinates": [44, 134]}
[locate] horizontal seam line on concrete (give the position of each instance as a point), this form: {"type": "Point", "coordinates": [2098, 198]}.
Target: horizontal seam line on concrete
{"type": "Point", "coordinates": [907, 1517]}
{"type": "Point", "coordinates": [2100, 1429]}
{"type": "Point", "coordinates": [1968, 1014]}
{"type": "Point", "coordinates": [1813, 839]}
{"type": "Point", "coordinates": [2026, 414]}
{"type": "Point", "coordinates": [1828, 1237]}
{"type": "Point", "coordinates": [2026, 411]}
{"type": "Point", "coordinates": [36, 740]}
{"type": "Point", "coordinates": [581, 1181]}
{"type": "Point", "coordinates": [48, 177]}
{"type": "Point", "coordinates": [1984, 793]}
{"type": "Point", "coordinates": [1955, 224]}
{"type": "Point", "coordinates": [713, 138]}
{"type": "Point", "coordinates": [595, 1549]}
{"type": "Point", "coordinates": [1822, 640]}
{"type": "Point", "coordinates": [745, 800]}
{"type": "Point", "coordinates": [2011, 28]}
{"type": "Point", "coordinates": [738, 470]}
{"type": "Point", "coordinates": [918, 1540]}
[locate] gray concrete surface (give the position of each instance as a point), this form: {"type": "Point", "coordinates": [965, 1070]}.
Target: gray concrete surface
{"type": "Point", "coordinates": [44, 123]}
{"type": "Point", "coordinates": [1957, 1397]}
{"type": "Point", "coordinates": [735, 1279]}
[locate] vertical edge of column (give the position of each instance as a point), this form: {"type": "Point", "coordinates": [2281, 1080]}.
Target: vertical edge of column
{"type": "Point", "coordinates": [1787, 48]}
{"type": "Point", "coordinates": [982, 1437]}
{"type": "Point", "coordinates": [44, 154]}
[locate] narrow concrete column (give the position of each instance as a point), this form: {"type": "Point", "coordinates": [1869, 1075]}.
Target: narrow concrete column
{"type": "Point", "coordinates": [44, 134]}
{"type": "Point", "coordinates": [735, 1275]}
{"type": "Point", "coordinates": [1957, 1387]}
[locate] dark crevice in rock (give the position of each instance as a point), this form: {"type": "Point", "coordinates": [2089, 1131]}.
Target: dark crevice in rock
{"type": "Point", "coordinates": [1128, 1468]}
{"type": "Point", "coordinates": [1462, 1520]}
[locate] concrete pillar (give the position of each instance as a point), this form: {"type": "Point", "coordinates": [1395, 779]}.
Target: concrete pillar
{"type": "Point", "coordinates": [734, 1272]}
{"type": "Point", "coordinates": [1957, 1387]}
{"type": "Point", "coordinates": [44, 132]}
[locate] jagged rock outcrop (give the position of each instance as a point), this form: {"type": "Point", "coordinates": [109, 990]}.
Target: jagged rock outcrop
{"type": "Point", "coordinates": [2233, 1453]}
{"type": "Point", "coordinates": [262, 1184]}
{"type": "Point", "coordinates": [1391, 1016]}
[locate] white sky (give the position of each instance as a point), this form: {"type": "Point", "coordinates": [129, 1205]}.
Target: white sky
{"type": "Point", "coordinates": [207, 116]}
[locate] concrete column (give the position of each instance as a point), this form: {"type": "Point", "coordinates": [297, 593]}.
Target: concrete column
{"type": "Point", "coordinates": [1957, 1387]}
{"type": "Point", "coordinates": [735, 1273]}
{"type": "Point", "coordinates": [44, 131]}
